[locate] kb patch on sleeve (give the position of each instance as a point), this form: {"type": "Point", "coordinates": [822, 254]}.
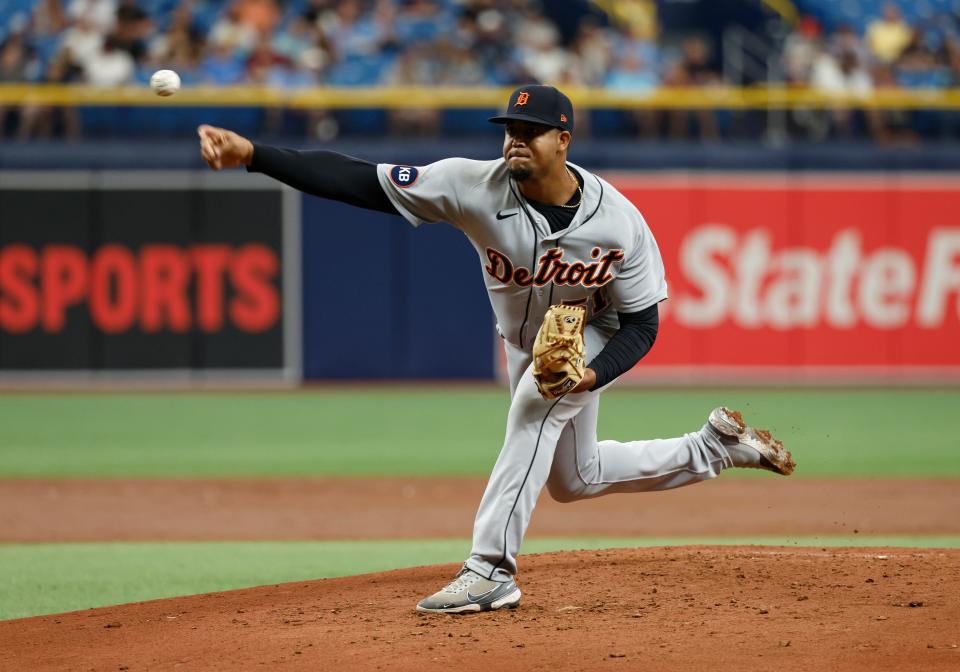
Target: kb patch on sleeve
{"type": "Point", "coordinates": [404, 176]}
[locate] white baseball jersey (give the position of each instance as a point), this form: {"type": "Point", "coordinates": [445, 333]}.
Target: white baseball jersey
{"type": "Point", "coordinates": [606, 258]}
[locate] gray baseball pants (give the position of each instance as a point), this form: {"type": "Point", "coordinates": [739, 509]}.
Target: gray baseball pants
{"type": "Point", "coordinates": [554, 443]}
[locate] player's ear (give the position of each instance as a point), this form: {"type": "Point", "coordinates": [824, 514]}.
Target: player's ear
{"type": "Point", "coordinates": [563, 139]}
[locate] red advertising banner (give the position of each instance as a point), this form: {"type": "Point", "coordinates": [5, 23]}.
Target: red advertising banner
{"type": "Point", "coordinates": [789, 277]}
{"type": "Point", "coordinates": [149, 289]}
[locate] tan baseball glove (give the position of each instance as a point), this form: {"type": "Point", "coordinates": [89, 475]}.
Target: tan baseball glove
{"type": "Point", "coordinates": [558, 360]}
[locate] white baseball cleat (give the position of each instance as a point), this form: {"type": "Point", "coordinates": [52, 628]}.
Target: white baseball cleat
{"type": "Point", "coordinates": [470, 592]}
{"type": "Point", "coordinates": [746, 444]}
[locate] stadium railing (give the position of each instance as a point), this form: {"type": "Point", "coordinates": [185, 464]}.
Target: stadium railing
{"type": "Point", "coordinates": [720, 97]}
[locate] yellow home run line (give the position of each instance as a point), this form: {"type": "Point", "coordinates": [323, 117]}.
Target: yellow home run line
{"type": "Point", "coordinates": [724, 97]}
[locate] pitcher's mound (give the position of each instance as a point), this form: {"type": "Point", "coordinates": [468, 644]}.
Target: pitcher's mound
{"type": "Point", "coordinates": [689, 608]}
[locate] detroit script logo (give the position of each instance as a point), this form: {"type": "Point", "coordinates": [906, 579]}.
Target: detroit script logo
{"type": "Point", "coordinates": [552, 268]}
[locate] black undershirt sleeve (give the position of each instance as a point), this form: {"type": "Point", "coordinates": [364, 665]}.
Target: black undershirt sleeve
{"type": "Point", "coordinates": [324, 173]}
{"type": "Point", "coordinates": [632, 341]}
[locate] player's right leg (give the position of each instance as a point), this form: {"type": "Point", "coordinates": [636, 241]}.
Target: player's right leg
{"type": "Point", "coordinates": [584, 467]}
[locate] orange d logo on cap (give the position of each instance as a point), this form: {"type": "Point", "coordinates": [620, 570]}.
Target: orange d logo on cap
{"type": "Point", "coordinates": [536, 104]}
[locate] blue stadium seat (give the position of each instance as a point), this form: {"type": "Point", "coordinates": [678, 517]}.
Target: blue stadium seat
{"type": "Point", "coordinates": [205, 14]}
{"type": "Point", "coordinates": [10, 9]}
{"type": "Point", "coordinates": [47, 47]}
{"type": "Point", "coordinates": [360, 71]}
{"type": "Point", "coordinates": [291, 10]}
{"type": "Point", "coordinates": [859, 13]}
{"type": "Point", "coordinates": [934, 78]}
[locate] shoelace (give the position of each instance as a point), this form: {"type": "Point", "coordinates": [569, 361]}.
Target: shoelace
{"type": "Point", "coordinates": [465, 580]}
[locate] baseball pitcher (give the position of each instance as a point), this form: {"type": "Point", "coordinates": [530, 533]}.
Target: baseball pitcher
{"type": "Point", "coordinates": [575, 277]}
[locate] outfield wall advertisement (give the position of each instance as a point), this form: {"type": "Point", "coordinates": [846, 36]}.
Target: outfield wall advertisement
{"type": "Point", "coordinates": [778, 277]}
{"type": "Point", "coordinates": [804, 277]}
{"type": "Point", "coordinates": [144, 273]}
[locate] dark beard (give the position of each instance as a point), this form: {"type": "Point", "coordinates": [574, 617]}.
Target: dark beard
{"type": "Point", "coordinates": [520, 174]}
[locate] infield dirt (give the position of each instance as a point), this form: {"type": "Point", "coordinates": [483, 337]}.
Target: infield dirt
{"type": "Point", "coordinates": [684, 608]}
{"type": "Point", "coordinates": [716, 608]}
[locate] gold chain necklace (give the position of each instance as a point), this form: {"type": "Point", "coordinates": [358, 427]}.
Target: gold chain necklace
{"type": "Point", "coordinates": [580, 190]}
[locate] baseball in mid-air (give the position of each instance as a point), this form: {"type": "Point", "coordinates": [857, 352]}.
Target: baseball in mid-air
{"type": "Point", "coordinates": [165, 82]}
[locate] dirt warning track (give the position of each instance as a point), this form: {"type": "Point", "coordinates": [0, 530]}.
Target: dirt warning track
{"type": "Point", "coordinates": [410, 508]}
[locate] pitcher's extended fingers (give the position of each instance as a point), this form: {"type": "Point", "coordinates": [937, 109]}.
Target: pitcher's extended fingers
{"type": "Point", "coordinates": [208, 151]}
{"type": "Point", "coordinates": [218, 136]}
{"type": "Point", "coordinates": [212, 135]}
{"type": "Point", "coordinates": [209, 155]}
{"type": "Point", "coordinates": [211, 161]}
{"type": "Point", "coordinates": [206, 144]}
{"type": "Point", "coordinates": [214, 162]}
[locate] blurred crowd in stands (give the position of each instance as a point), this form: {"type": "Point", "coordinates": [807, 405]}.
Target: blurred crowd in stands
{"type": "Point", "coordinates": [305, 43]}
{"type": "Point", "coordinates": [298, 43]}
{"type": "Point", "coordinates": [887, 52]}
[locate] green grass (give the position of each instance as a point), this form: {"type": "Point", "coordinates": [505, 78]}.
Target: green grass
{"type": "Point", "coordinates": [51, 578]}
{"type": "Point", "coordinates": [435, 430]}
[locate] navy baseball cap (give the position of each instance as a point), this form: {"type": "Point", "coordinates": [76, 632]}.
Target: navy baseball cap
{"type": "Point", "coordinates": [540, 105]}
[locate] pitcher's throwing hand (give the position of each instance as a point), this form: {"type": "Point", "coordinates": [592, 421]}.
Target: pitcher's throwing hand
{"type": "Point", "coordinates": [221, 148]}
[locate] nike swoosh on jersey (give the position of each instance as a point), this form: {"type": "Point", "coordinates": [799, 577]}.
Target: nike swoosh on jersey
{"type": "Point", "coordinates": [504, 214]}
